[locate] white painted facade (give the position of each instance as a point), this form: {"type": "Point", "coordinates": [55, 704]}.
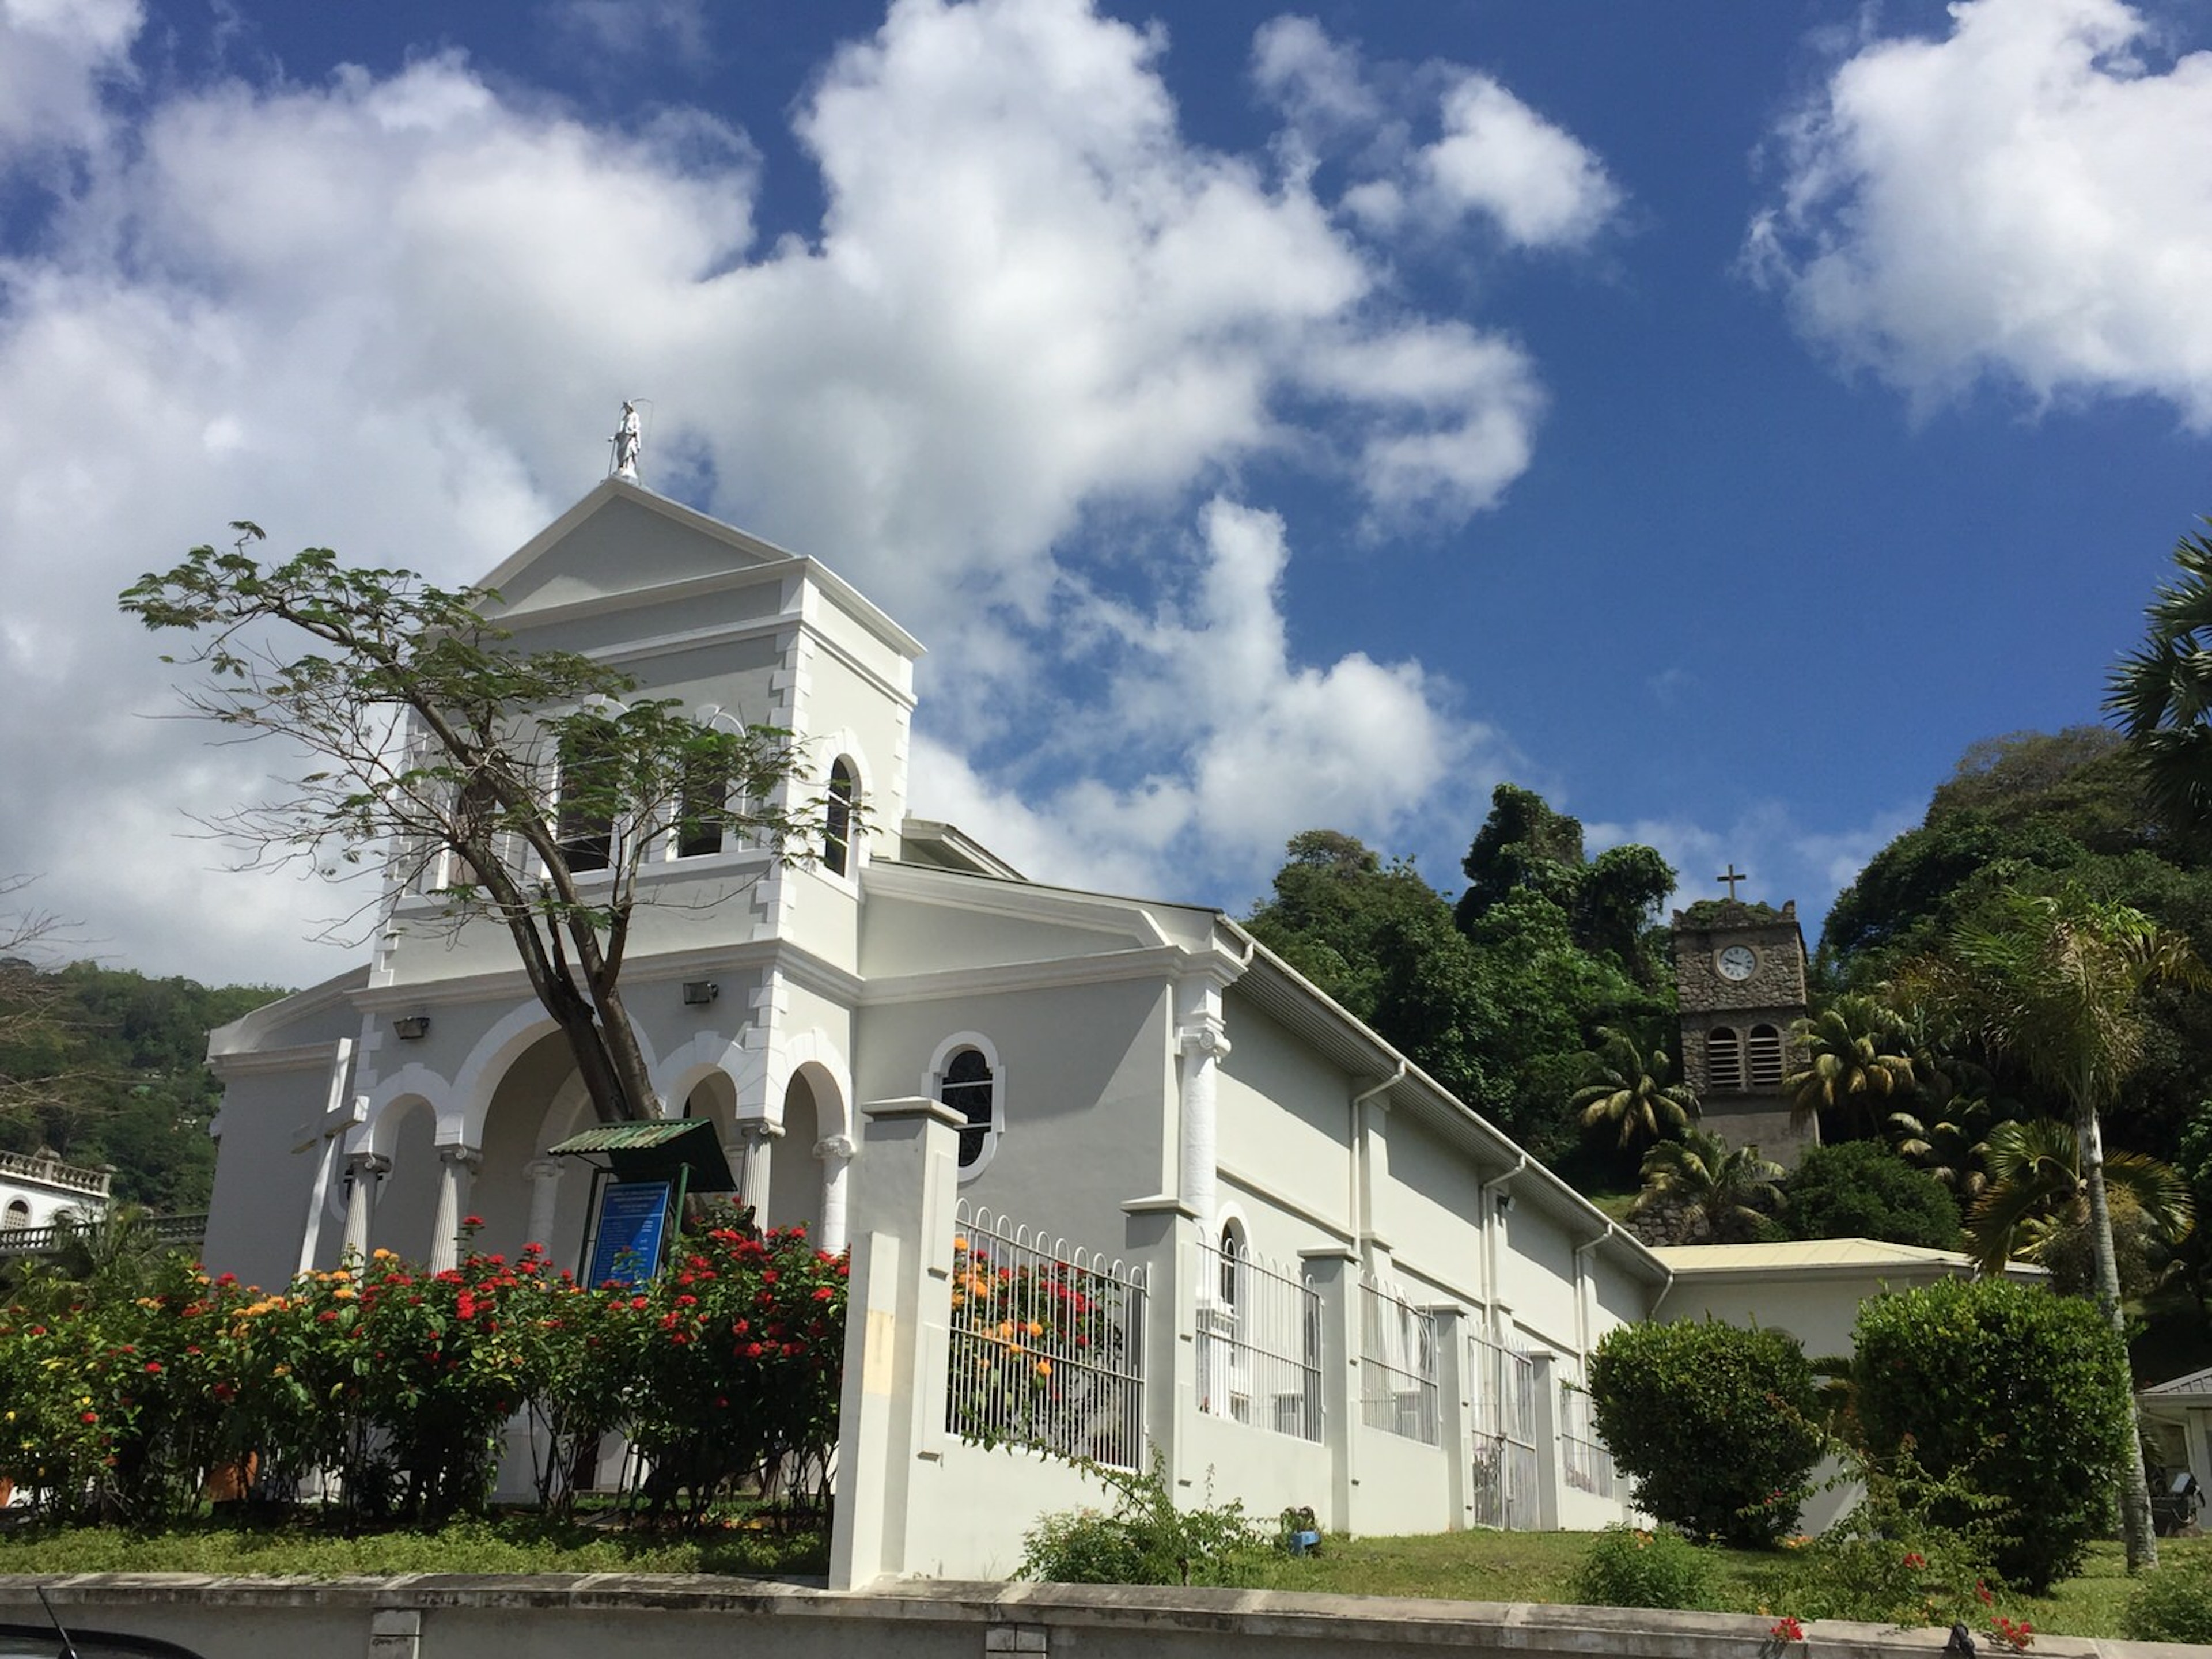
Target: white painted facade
{"type": "Point", "coordinates": [1139, 1076]}
{"type": "Point", "coordinates": [37, 1189]}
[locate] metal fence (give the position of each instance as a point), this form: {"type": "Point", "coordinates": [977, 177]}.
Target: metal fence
{"type": "Point", "coordinates": [1259, 1343]}
{"type": "Point", "coordinates": [1397, 1366]}
{"type": "Point", "coordinates": [1048, 1344]}
{"type": "Point", "coordinates": [1585, 1462]}
{"type": "Point", "coordinates": [1505, 1485]}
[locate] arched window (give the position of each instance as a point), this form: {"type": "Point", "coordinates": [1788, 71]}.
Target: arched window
{"type": "Point", "coordinates": [970, 1089]}
{"type": "Point", "coordinates": [1723, 1059]}
{"type": "Point", "coordinates": [18, 1214]}
{"type": "Point", "coordinates": [1765, 1050]}
{"type": "Point", "coordinates": [1233, 1252]}
{"type": "Point", "coordinates": [837, 828]}
{"type": "Point", "coordinates": [590, 779]}
{"type": "Point", "coordinates": [704, 810]}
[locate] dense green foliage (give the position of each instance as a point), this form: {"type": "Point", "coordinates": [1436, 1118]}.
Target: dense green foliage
{"type": "Point", "coordinates": [1715, 1422]}
{"type": "Point", "coordinates": [126, 1392]}
{"type": "Point", "coordinates": [1628, 1567]}
{"type": "Point", "coordinates": [1502, 997]}
{"type": "Point", "coordinates": [1729, 1194]}
{"type": "Point", "coordinates": [2021, 1394]}
{"type": "Point", "coordinates": [112, 1071]}
{"type": "Point", "coordinates": [1860, 1189]}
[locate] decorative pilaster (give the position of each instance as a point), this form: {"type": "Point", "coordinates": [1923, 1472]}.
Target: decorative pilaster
{"type": "Point", "coordinates": [1205, 1044]}
{"type": "Point", "coordinates": [835, 1152]}
{"type": "Point", "coordinates": [749, 1157]}
{"type": "Point", "coordinates": [364, 1171]}
{"type": "Point", "coordinates": [455, 1164]}
{"type": "Point", "coordinates": [544, 1175]}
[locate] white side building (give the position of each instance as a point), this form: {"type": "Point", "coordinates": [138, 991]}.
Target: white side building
{"type": "Point", "coordinates": [37, 1189]}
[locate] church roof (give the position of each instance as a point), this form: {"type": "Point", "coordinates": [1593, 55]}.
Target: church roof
{"type": "Point", "coordinates": [1820, 1258]}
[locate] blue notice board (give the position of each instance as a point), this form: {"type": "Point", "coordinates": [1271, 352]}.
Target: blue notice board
{"type": "Point", "coordinates": [633, 1214]}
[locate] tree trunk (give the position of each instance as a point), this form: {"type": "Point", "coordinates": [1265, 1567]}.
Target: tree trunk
{"type": "Point", "coordinates": [2135, 1496]}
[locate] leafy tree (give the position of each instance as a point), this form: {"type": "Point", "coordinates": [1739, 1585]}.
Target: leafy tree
{"type": "Point", "coordinates": [2037, 1199]}
{"type": "Point", "coordinates": [439, 745]}
{"type": "Point", "coordinates": [1729, 1192]}
{"type": "Point", "coordinates": [1631, 1095]}
{"type": "Point", "coordinates": [2022, 1394]}
{"type": "Point", "coordinates": [1715, 1424]}
{"type": "Point", "coordinates": [1855, 1064]}
{"type": "Point", "coordinates": [2160, 693]}
{"type": "Point", "coordinates": [1860, 1189]}
{"type": "Point", "coordinates": [1525, 848]}
{"type": "Point", "coordinates": [2053, 983]}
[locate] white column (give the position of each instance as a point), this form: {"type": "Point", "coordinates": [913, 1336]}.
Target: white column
{"type": "Point", "coordinates": [836, 1155]}
{"type": "Point", "coordinates": [1205, 1044]}
{"type": "Point", "coordinates": [454, 1163]}
{"type": "Point", "coordinates": [364, 1171]}
{"type": "Point", "coordinates": [544, 1175]}
{"type": "Point", "coordinates": [748, 1153]}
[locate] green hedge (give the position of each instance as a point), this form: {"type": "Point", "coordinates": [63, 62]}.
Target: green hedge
{"type": "Point", "coordinates": [2018, 1392]}
{"type": "Point", "coordinates": [1715, 1422]}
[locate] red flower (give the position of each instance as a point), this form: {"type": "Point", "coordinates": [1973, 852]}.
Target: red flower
{"type": "Point", "coordinates": [154, 1366]}
{"type": "Point", "coordinates": [472, 1221]}
{"type": "Point", "coordinates": [753, 1351]}
{"type": "Point", "coordinates": [89, 1417]}
{"type": "Point", "coordinates": [823, 1293]}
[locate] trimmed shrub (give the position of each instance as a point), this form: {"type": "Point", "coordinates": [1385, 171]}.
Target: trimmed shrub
{"type": "Point", "coordinates": [1714, 1422]}
{"type": "Point", "coordinates": [1860, 1189]}
{"type": "Point", "coordinates": [2173, 1604]}
{"type": "Point", "coordinates": [2021, 1394]}
{"type": "Point", "coordinates": [1629, 1568]}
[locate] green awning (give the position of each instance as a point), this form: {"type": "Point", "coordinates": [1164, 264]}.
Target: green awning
{"type": "Point", "coordinates": [648, 1151]}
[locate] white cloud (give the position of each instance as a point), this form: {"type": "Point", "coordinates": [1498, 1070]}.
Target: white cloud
{"type": "Point", "coordinates": [1228, 745]}
{"type": "Point", "coordinates": [395, 314]}
{"type": "Point", "coordinates": [2025, 200]}
{"type": "Point", "coordinates": [1492, 155]}
{"type": "Point", "coordinates": [55, 58]}
{"type": "Point", "coordinates": [633, 29]}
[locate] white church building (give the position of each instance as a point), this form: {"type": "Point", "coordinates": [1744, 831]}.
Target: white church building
{"type": "Point", "coordinates": [1346, 1290]}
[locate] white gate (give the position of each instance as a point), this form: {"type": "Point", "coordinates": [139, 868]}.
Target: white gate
{"type": "Point", "coordinates": [1505, 1484]}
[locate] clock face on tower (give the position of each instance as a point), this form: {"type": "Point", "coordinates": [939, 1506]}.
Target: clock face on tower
{"type": "Point", "coordinates": [1737, 963]}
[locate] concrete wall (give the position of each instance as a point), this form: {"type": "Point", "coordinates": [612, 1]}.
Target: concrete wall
{"type": "Point", "coordinates": [566, 1616]}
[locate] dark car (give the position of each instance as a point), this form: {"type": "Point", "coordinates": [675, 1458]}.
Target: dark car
{"type": "Point", "coordinates": [48, 1641]}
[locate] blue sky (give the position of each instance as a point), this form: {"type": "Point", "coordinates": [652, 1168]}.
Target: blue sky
{"type": "Point", "coordinates": [1715, 418]}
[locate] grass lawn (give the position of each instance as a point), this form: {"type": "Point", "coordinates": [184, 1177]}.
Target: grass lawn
{"type": "Point", "coordinates": [1472, 1567]}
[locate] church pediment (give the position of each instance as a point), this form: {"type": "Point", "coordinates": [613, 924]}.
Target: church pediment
{"type": "Point", "coordinates": [621, 539]}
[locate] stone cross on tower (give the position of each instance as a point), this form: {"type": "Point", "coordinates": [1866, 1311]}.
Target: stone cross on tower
{"type": "Point", "coordinates": [1732, 877]}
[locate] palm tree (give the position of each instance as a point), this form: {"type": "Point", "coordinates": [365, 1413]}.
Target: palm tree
{"type": "Point", "coordinates": [1731, 1190]}
{"type": "Point", "coordinates": [2160, 693]}
{"type": "Point", "coordinates": [1950, 1142]}
{"type": "Point", "coordinates": [1856, 1063]}
{"type": "Point", "coordinates": [2036, 1194]}
{"type": "Point", "coordinates": [1627, 1091]}
{"type": "Point", "coordinates": [2052, 983]}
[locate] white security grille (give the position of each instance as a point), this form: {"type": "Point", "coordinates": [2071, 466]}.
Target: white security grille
{"type": "Point", "coordinates": [1397, 1366]}
{"type": "Point", "coordinates": [1505, 1468]}
{"type": "Point", "coordinates": [1259, 1343]}
{"type": "Point", "coordinates": [1587, 1463]}
{"type": "Point", "coordinates": [1047, 1347]}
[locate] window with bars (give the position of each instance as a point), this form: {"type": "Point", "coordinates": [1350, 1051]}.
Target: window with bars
{"type": "Point", "coordinates": [970, 1090]}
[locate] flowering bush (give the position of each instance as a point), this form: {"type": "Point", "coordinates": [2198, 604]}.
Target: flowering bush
{"type": "Point", "coordinates": [118, 1398]}
{"type": "Point", "coordinates": [738, 1350]}
{"type": "Point", "coordinates": [1628, 1567]}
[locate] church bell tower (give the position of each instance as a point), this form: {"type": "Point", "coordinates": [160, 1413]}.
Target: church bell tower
{"type": "Point", "coordinates": [1739, 982]}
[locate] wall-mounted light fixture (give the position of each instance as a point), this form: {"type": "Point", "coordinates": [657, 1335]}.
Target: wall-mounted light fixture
{"type": "Point", "coordinates": [1505, 1204]}
{"type": "Point", "coordinates": [698, 993]}
{"type": "Point", "coordinates": [412, 1028]}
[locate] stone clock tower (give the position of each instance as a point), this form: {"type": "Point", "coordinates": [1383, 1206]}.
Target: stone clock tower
{"type": "Point", "coordinates": [1740, 979]}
